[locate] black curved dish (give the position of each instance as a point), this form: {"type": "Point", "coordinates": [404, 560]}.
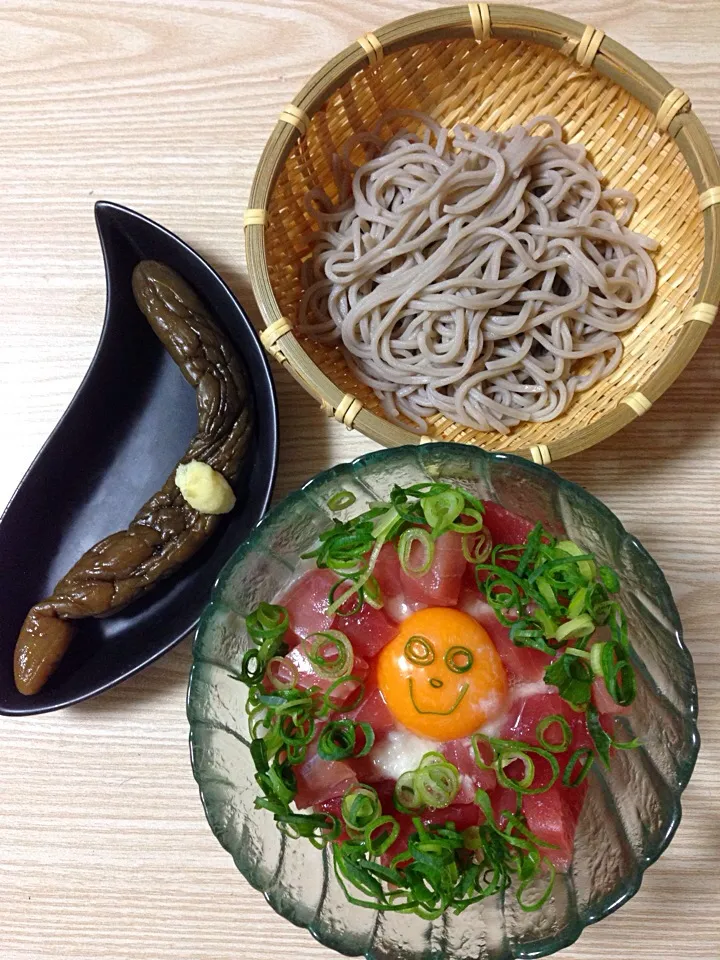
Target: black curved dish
{"type": "Point", "coordinates": [128, 424]}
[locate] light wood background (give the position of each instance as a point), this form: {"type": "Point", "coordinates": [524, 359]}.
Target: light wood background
{"type": "Point", "coordinates": [164, 105]}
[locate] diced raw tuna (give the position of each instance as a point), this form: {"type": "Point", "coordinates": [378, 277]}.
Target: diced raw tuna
{"type": "Point", "coordinates": [320, 780]}
{"type": "Point", "coordinates": [333, 807]}
{"type": "Point", "coordinates": [463, 815]}
{"type": "Point", "coordinates": [523, 664]}
{"type": "Point", "coordinates": [529, 708]}
{"type": "Point", "coordinates": [552, 816]}
{"type": "Point", "coordinates": [307, 601]}
{"type": "Point", "coordinates": [374, 710]}
{"type": "Point", "coordinates": [504, 526]}
{"type": "Point", "coordinates": [366, 770]}
{"type": "Point", "coordinates": [460, 753]}
{"type": "Point", "coordinates": [440, 586]}
{"type": "Point", "coordinates": [387, 571]}
{"type": "Point", "coordinates": [503, 799]}
{"type": "Point", "coordinates": [368, 630]}
{"type": "Point", "coordinates": [604, 702]}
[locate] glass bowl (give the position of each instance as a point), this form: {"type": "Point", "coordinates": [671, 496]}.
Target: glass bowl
{"type": "Point", "coordinates": [631, 811]}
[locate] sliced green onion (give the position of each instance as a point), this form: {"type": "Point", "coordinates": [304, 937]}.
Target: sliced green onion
{"type": "Point", "coordinates": [609, 579]}
{"type": "Point", "coordinates": [438, 713]}
{"type": "Point", "coordinates": [437, 781]}
{"type": "Point", "coordinates": [472, 838]}
{"type": "Point", "coordinates": [503, 591]}
{"type": "Point", "coordinates": [586, 565]}
{"type": "Point", "coordinates": [597, 603]}
{"type": "Point", "coordinates": [420, 651]}
{"type": "Point", "coordinates": [459, 659]}
{"type": "Point", "coordinates": [545, 724]}
{"type": "Point", "coordinates": [585, 758]}
{"type": "Point", "coordinates": [548, 625]}
{"type": "Point", "coordinates": [338, 740]}
{"type": "Point", "coordinates": [268, 620]}
{"type": "Point", "coordinates": [369, 735]}
{"type": "Point", "coordinates": [362, 578]}
{"type": "Point", "coordinates": [548, 593]}
{"type": "Point", "coordinates": [275, 680]}
{"type": "Point", "coordinates": [442, 509]}
{"type": "Point", "coordinates": [475, 740]}
{"type": "Point", "coordinates": [405, 545]}
{"type": "Point", "coordinates": [476, 549]}
{"type": "Point", "coordinates": [405, 795]}
{"type": "Point", "coordinates": [373, 593]}
{"type": "Point", "coordinates": [329, 705]}
{"type": "Point", "coordinates": [577, 627]}
{"type": "Point", "coordinates": [474, 525]}
{"type": "Point", "coordinates": [298, 733]}
{"type": "Point", "coordinates": [357, 593]}
{"type": "Point", "coordinates": [330, 653]}
{"type": "Point", "coordinates": [548, 596]}
{"type": "Point", "coordinates": [600, 737]}
{"type": "Point", "coordinates": [360, 807]}
{"type": "Point", "coordinates": [341, 500]}
{"type": "Point", "coordinates": [618, 626]}
{"type": "Point", "coordinates": [596, 658]}
{"type": "Point", "coordinates": [380, 843]}
{"type": "Point", "coordinates": [530, 551]}
{"type": "Point", "coordinates": [252, 669]}
{"type": "Point", "coordinates": [527, 633]}
{"type": "Point", "coordinates": [577, 604]}
{"type": "Point", "coordinates": [435, 784]}
{"type": "Point", "coordinates": [507, 757]}
{"type": "Point", "coordinates": [318, 828]}
{"type": "Point", "coordinates": [577, 652]}
{"type": "Point", "coordinates": [541, 899]}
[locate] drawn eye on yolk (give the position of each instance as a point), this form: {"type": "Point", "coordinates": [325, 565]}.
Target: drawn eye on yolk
{"type": "Point", "coordinates": [420, 652]}
{"type": "Point", "coordinates": [441, 675]}
{"type": "Point", "coordinates": [459, 659]}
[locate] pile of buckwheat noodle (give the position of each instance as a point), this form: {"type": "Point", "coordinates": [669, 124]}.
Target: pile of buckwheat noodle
{"type": "Point", "coordinates": [482, 275]}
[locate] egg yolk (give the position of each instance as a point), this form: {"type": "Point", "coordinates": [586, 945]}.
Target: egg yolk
{"type": "Point", "coordinates": [441, 676]}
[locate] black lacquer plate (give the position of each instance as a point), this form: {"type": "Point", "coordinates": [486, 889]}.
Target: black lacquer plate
{"type": "Point", "coordinates": [127, 426]}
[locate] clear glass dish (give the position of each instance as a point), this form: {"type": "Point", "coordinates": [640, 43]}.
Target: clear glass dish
{"type": "Point", "coordinates": [631, 811]}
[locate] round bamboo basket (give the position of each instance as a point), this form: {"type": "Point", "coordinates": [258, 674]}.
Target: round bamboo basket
{"type": "Point", "coordinates": [495, 66]}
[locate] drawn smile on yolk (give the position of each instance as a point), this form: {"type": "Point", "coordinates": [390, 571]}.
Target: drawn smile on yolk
{"type": "Point", "coordinates": [441, 675]}
{"type": "Point", "coordinates": [437, 713]}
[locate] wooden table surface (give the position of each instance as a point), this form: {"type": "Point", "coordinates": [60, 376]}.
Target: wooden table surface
{"type": "Point", "coordinates": [164, 105]}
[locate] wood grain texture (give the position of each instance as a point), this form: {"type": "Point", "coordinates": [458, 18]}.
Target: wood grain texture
{"type": "Point", "coordinates": [165, 105]}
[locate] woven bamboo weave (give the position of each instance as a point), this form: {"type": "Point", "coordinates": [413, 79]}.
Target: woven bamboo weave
{"type": "Point", "coordinates": [496, 66]}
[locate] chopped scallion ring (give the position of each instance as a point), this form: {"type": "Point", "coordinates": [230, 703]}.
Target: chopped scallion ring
{"type": "Point", "coordinates": [341, 500]}
{"type": "Point", "coordinates": [581, 626]}
{"type": "Point", "coordinates": [405, 547]}
{"type": "Point", "coordinates": [583, 757]}
{"type": "Point", "coordinates": [330, 652]}
{"type": "Point", "coordinates": [554, 746]}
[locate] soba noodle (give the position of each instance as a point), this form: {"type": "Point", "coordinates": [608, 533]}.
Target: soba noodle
{"type": "Point", "coordinates": [482, 275]}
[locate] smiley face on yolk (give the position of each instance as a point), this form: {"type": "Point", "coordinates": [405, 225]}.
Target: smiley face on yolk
{"type": "Point", "coordinates": [441, 676]}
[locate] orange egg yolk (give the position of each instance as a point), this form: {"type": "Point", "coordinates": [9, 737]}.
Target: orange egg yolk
{"type": "Point", "coordinates": [441, 676]}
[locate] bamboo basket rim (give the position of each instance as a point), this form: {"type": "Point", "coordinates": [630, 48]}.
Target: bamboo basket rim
{"type": "Point", "coordinates": [592, 48]}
